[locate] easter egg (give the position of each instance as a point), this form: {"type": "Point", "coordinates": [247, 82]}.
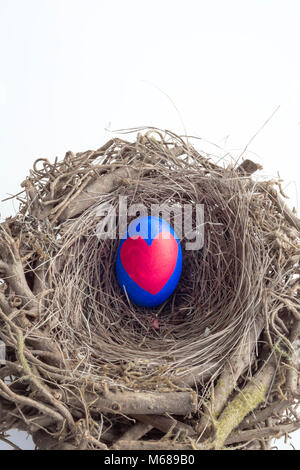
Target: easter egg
{"type": "Point", "coordinates": [149, 261]}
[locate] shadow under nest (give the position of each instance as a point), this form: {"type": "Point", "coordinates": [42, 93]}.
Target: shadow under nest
{"type": "Point", "coordinates": [87, 369]}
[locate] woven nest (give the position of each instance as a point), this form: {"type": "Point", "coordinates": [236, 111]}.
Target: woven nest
{"type": "Point", "coordinates": [215, 366]}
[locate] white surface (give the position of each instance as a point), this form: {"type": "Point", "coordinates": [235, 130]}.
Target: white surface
{"type": "Point", "coordinates": [215, 69]}
{"type": "Point", "coordinates": [19, 438]}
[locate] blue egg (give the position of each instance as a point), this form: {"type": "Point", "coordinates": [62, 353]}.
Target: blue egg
{"type": "Point", "coordinates": [149, 261]}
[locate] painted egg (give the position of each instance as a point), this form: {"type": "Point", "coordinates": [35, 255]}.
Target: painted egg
{"type": "Point", "coordinates": [149, 261]}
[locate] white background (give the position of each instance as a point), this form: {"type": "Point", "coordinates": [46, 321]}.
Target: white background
{"type": "Point", "coordinates": [70, 69]}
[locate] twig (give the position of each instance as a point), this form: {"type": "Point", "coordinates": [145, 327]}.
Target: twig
{"type": "Point", "coordinates": [236, 365]}
{"type": "Point", "coordinates": [150, 445]}
{"type": "Point", "coordinates": [135, 432]}
{"type": "Point", "coordinates": [243, 403]}
{"type": "Point", "coordinates": [165, 423]}
{"type": "Point", "coordinates": [128, 403]}
{"type": "Point", "coordinates": [267, 432]}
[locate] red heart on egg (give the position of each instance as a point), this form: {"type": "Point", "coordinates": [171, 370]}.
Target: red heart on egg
{"type": "Point", "coordinates": [150, 266]}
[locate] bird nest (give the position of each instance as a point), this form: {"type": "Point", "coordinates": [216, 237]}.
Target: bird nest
{"type": "Point", "coordinates": [214, 366]}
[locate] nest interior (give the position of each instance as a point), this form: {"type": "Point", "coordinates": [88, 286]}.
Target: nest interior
{"type": "Point", "coordinates": [85, 368]}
